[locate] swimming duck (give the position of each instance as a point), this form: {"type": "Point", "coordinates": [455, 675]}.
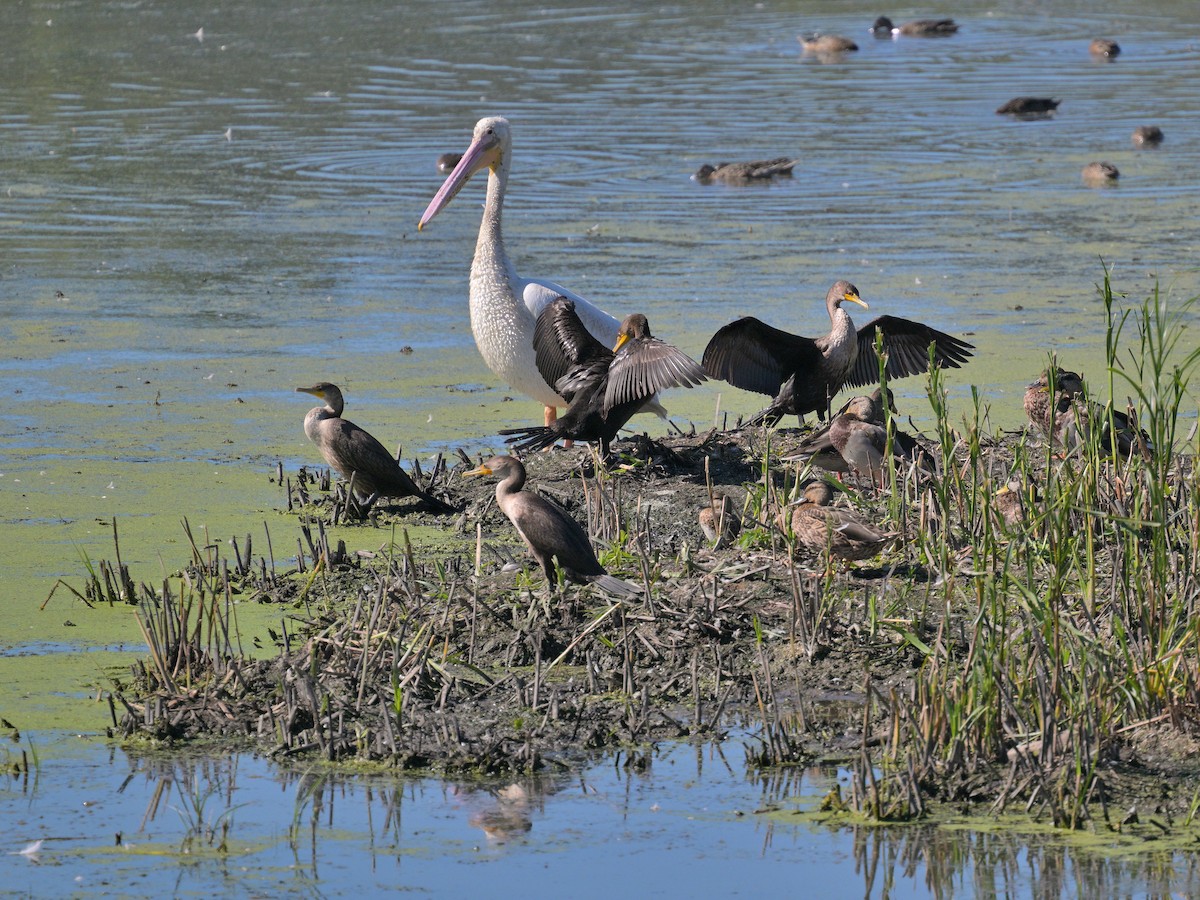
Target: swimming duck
{"type": "Point", "coordinates": [1147, 135]}
{"type": "Point", "coordinates": [917, 28]}
{"type": "Point", "coordinates": [1097, 173]}
{"type": "Point", "coordinates": [826, 44]}
{"type": "Point", "coordinates": [1028, 106]}
{"type": "Point", "coordinates": [734, 173]}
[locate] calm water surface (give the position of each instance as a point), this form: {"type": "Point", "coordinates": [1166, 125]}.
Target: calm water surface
{"type": "Point", "coordinates": [684, 821]}
{"type": "Point", "coordinates": [202, 208]}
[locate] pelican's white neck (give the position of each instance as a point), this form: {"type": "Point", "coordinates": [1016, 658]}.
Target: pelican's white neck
{"type": "Point", "coordinates": [491, 268]}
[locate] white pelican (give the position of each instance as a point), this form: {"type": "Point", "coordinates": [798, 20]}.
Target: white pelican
{"type": "Point", "coordinates": [505, 306]}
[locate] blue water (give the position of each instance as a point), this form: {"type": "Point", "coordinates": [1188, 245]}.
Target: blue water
{"type": "Point", "coordinates": [688, 822]}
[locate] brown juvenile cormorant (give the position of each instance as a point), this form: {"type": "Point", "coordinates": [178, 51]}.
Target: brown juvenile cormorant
{"type": "Point", "coordinates": [547, 530]}
{"type": "Point", "coordinates": [803, 374]}
{"type": "Point", "coordinates": [357, 455]}
{"type": "Point", "coordinates": [603, 387]}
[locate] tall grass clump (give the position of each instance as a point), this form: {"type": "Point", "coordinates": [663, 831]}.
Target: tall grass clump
{"type": "Point", "coordinates": [1076, 625]}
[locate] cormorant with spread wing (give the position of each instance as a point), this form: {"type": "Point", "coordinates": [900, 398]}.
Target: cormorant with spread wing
{"type": "Point", "coordinates": [603, 387]}
{"type": "Point", "coordinates": [803, 374]}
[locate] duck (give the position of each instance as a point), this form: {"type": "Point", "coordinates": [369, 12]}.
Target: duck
{"type": "Point", "coordinates": [804, 374]}
{"type": "Point", "coordinates": [1104, 47]}
{"type": "Point", "coordinates": [1100, 173]}
{"type": "Point", "coordinates": [1013, 503]}
{"type": "Point", "coordinates": [1048, 399]}
{"type": "Point", "coordinates": [603, 387]}
{"type": "Point", "coordinates": [1147, 136]}
{"type": "Point", "coordinates": [741, 172]}
{"type": "Point", "coordinates": [819, 526]}
{"type": "Point", "coordinates": [916, 28]}
{"type": "Point", "coordinates": [818, 449]}
{"type": "Point", "coordinates": [826, 44]}
{"type": "Point", "coordinates": [1028, 106]}
{"type": "Point", "coordinates": [1068, 418]}
{"type": "Point", "coordinates": [720, 521]}
{"type": "Point", "coordinates": [447, 161]}
{"type": "Point", "coordinates": [551, 535]}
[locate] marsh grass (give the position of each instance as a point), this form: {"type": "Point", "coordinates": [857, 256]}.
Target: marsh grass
{"type": "Point", "coordinates": [1073, 627]}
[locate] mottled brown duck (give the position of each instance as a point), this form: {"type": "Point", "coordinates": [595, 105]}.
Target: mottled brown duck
{"type": "Point", "coordinates": [1049, 398]}
{"type": "Point", "coordinates": [819, 526]}
{"type": "Point", "coordinates": [818, 450]}
{"type": "Point", "coordinates": [1100, 173]}
{"type": "Point", "coordinates": [826, 44]}
{"type": "Point", "coordinates": [1070, 419]}
{"type": "Point", "coordinates": [736, 173]}
{"type": "Point", "coordinates": [720, 521]}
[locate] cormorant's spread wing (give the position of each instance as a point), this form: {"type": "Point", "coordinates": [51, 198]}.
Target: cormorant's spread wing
{"type": "Point", "coordinates": [906, 344]}
{"type": "Point", "coordinates": [644, 366]}
{"type": "Point", "coordinates": [562, 346]}
{"type": "Point", "coordinates": [752, 355]}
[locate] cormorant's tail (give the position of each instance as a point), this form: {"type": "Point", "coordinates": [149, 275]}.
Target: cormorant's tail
{"type": "Point", "coordinates": [615, 586]}
{"type": "Point", "coordinates": [769, 417]}
{"type": "Point", "coordinates": [434, 505]}
{"type": "Point", "coordinates": [530, 438]}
